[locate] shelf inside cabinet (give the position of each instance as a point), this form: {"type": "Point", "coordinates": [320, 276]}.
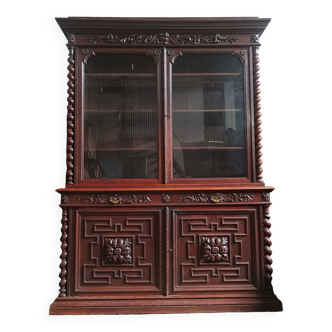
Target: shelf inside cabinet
{"type": "Point", "coordinates": [212, 110]}
{"type": "Point", "coordinates": [127, 75]}
{"type": "Point", "coordinates": [208, 148]}
{"type": "Point", "coordinates": [123, 149]}
{"type": "Point", "coordinates": [206, 74]}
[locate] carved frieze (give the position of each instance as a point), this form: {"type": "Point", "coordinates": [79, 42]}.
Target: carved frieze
{"type": "Point", "coordinates": [216, 198]}
{"type": "Point", "coordinates": [162, 38]}
{"type": "Point", "coordinates": [117, 251]}
{"type": "Point", "coordinates": [114, 199]}
{"type": "Point", "coordinates": [214, 249]}
{"type": "Point", "coordinates": [208, 198]}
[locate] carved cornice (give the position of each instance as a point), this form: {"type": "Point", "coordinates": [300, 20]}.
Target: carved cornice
{"type": "Point", "coordinates": [162, 38]}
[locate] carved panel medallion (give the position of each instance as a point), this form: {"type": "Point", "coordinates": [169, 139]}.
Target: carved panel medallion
{"type": "Point", "coordinates": [117, 251]}
{"type": "Point", "coordinates": [214, 249]}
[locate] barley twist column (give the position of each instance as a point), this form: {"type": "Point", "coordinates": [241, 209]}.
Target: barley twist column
{"type": "Point", "coordinates": [63, 256]}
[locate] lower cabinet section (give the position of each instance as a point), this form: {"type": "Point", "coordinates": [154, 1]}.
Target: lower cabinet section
{"type": "Point", "coordinates": [165, 259]}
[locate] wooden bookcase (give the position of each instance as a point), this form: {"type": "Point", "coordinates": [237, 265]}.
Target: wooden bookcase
{"type": "Point", "coordinates": [164, 209]}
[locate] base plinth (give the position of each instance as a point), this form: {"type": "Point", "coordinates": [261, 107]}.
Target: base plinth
{"type": "Point", "coordinates": [71, 306]}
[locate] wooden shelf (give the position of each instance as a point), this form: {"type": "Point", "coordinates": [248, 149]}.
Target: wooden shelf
{"type": "Point", "coordinates": [120, 75]}
{"type": "Point", "coordinates": [214, 110]}
{"type": "Point", "coordinates": [209, 148]}
{"type": "Point", "coordinates": [206, 74]}
{"type": "Point", "coordinates": [117, 111]}
{"type": "Point", "coordinates": [123, 149]}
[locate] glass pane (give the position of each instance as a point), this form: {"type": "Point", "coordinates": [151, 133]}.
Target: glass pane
{"type": "Point", "coordinates": [208, 116]}
{"type": "Point", "coordinates": [120, 117]}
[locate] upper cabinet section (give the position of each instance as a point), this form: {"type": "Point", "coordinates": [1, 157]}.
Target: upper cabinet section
{"type": "Point", "coordinates": [155, 101]}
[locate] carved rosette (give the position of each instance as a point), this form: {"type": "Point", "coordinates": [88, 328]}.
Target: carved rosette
{"type": "Point", "coordinates": [214, 249]}
{"type": "Point", "coordinates": [257, 112]}
{"type": "Point", "coordinates": [166, 198]}
{"type": "Point", "coordinates": [117, 251]}
{"type": "Point", "coordinates": [162, 38]}
{"type": "Point", "coordinates": [267, 249]}
{"type": "Point", "coordinates": [70, 117]}
{"type": "Point", "coordinates": [63, 256]}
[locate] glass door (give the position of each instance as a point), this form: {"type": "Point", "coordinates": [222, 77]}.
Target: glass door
{"type": "Point", "coordinates": [120, 117]}
{"type": "Point", "coordinates": [208, 116]}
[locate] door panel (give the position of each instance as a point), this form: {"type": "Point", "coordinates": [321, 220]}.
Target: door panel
{"type": "Point", "coordinates": [119, 251]}
{"type": "Point", "coordinates": [215, 250]}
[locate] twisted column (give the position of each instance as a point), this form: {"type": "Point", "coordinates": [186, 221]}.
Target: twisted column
{"type": "Point", "coordinates": [267, 250]}
{"type": "Point", "coordinates": [257, 113]}
{"type": "Point", "coordinates": [70, 117]}
{"type": "Point", "coordinates": [63, 256]}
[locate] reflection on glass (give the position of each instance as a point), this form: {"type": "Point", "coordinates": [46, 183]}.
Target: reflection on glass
{"type": "Point", "coordinates": [120, 117]}
{"type": "Point", "coordinates": [208, 116]}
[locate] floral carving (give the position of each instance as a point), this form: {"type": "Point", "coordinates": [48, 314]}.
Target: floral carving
{"type": "Point", "coordinates": [255, 38]}
{"type": "Point", "coordinates": [114, 199]}
{"type": "Point", "coordinates": [214, 249]}
{"type": "Point", "coordinates": [166, 198]}
{"type": "Point", "coordinates": [199, 198]}
{"type": "Point", "coordinates": [216, 198]}
{"type": "Point", "coordinates": [117, 251]}
{"type": "Point", "coordinates": [162, 38]}
{"type": "Point", "coordinates": [266, 197]}
{"type": "Point", "coordinates": [64, 199]}
{"type": "Point", "coordinates": [71, 39]}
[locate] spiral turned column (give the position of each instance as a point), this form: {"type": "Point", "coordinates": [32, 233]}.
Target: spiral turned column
{"type": "Point", "coordinates": [70, 117]}
{"type": "Point", "coordinates": [63, 256]}
{"type": "Point", "coordinates": [257, 112]}
{"type": "Point", "coordinates": [267, 249]}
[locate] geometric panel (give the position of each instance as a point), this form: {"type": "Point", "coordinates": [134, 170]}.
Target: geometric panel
{"type": "Point", "coordinates": [214, 250]}
{"type": "Point", "coordinates": [118, 251]}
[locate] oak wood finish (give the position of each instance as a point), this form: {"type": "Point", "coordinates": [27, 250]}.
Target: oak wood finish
{"type": "Point", "coordinates": [164, 245]}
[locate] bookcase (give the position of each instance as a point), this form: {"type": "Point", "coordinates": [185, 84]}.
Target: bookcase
{"type": "Point", "coordinates": [165, 209]}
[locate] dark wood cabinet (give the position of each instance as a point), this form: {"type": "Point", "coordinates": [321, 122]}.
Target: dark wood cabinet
{"type": "Point", "coordinates": [164, 209]}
